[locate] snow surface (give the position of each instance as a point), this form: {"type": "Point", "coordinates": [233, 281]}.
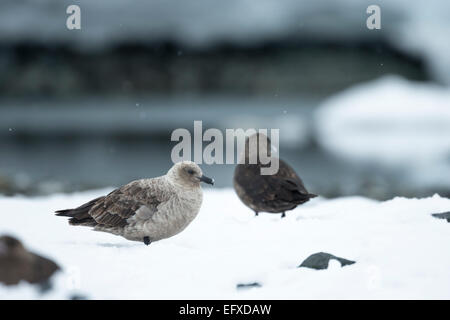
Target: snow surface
{"type": "Point", "coordinates": [399, 249]}
{"type": "Point", "coordinates": [390, 122]}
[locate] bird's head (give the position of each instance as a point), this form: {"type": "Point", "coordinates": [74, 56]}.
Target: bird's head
{"type": "Point", "coordinates": [256, 144]}
{"type": "Point", "coordinates": [188, 173]}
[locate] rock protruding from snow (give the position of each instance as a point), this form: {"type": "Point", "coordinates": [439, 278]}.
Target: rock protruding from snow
{"type": "Point", "coordinates": [18, 264]}
{"type": "Point", "coordinates": [444, 215]}
{"type": "Point", "coordinates": [248, 285]}
{"type": "Point", "coordinates": [320, 260]}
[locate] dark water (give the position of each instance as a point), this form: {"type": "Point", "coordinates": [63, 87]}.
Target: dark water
{"type": "Point", "coordinates": [97, 143]}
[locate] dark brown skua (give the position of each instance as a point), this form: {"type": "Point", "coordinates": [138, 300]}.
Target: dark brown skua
{"type": "Point", "coordinates": [275, 193]}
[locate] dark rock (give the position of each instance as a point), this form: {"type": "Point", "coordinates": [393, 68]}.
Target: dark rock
{"type": "Point", "coordinates": [248, 285]}
{"type": "Point", "coordinates": [45, 286]}
{"type": "Point", "coordinates": [444, 215]}
{"type": "Point", "coordinates": [18, 264]}
{"type": "Point", "coordinates": [77, 297]}
{"type": "Point", "coordinates": [319, 261]}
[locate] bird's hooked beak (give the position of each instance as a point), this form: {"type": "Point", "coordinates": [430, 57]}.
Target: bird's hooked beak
{"type": "Point", "coordinates": [207, 180]}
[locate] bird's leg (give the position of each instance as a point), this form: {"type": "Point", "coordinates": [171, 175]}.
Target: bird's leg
{"type": "Point", "coordinates": [147, 241]}
{"type": "Point", "coordinates": [256, 213]}
{"type": "Point", "coordinates": [283, 215]}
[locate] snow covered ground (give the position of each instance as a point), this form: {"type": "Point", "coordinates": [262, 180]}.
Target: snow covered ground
{"type": "Point", "coordinates": [399, 249]}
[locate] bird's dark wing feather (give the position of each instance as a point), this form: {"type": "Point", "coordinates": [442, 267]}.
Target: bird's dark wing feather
{"type": "Point", "coordinates": [280, 191]}
{"type": "Point", "coordinates": [114, 209]}
{"type": "Point", "coordinates": [122, 203]}
{"type": "Point", "coordinates": [288, 174]}
{"type": "Point", "coordinates": [274, 193]}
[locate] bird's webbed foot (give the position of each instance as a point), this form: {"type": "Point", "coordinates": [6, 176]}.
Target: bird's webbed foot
{"type": "Point", "coordinates": [283, 215]}
{"type": "Point", "coordinates": [147, 241]}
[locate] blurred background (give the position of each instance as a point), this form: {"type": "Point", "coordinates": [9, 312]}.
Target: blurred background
{"type": "Point", "coordinates": [360, 112]}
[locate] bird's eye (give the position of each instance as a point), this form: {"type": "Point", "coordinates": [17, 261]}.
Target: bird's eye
{"type": "Point", "coordinates": [190, 171]}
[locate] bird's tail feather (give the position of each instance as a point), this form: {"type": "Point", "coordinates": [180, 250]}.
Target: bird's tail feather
{"type": "Point", "coordinates": [80, 215]}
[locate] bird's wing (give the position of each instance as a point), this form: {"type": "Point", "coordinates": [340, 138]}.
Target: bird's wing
{"type": "Point", "coordinates": [123, 203]}
{"type": "Point", "coordinates": [282, 189]}
{"type": "Point", "coordinates": [288, 174]}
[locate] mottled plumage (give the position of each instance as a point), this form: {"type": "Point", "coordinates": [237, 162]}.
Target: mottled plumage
{"type": "Point", "coordinates": [275, 193]}
{"type": "Point", "coordinates": [18, 264]}
{"type": "Point", "coordinates": [147, 209]}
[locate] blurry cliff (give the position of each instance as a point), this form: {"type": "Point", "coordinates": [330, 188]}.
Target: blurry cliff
{"type": "Point", "coordinates": [237, 47]}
